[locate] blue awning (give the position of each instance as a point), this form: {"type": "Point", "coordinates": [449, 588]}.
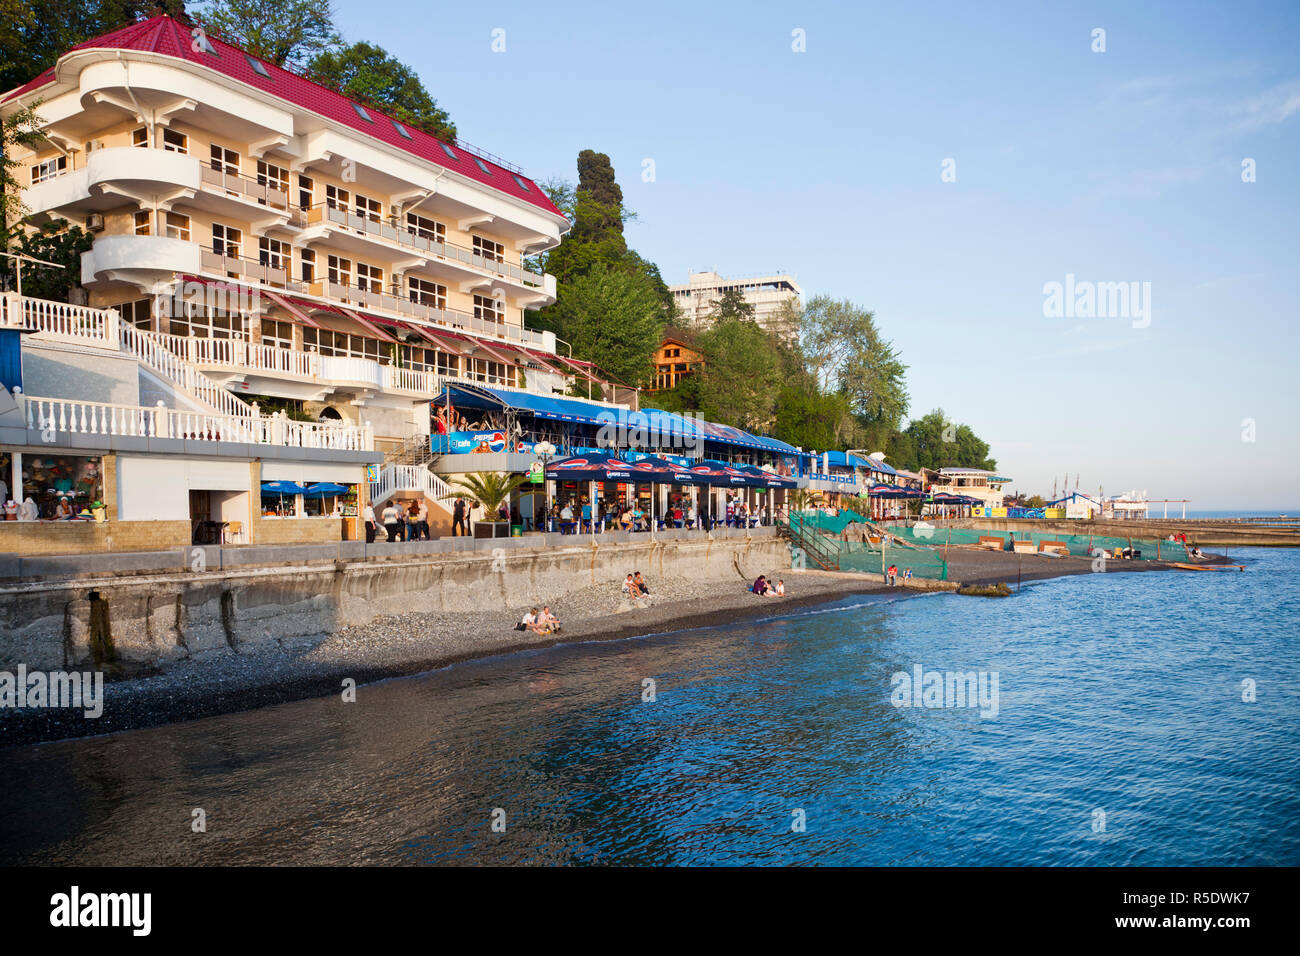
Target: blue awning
{"type": "Point", "coordinates": [542, 406]}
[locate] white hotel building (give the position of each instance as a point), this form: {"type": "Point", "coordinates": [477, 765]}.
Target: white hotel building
{"type": "Point", "coordinates": [259, 240]}
{"type": "Point", "coordinates": [767, 294]}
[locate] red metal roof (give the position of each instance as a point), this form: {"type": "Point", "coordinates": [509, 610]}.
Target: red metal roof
{"type": "Point", "coordinates": [164, 36]}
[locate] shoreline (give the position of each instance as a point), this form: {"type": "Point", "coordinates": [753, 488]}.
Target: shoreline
{"type": "Point", "coordinates": [411, 644]}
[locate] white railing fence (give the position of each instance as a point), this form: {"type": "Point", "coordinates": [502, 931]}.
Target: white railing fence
{"type": "Point", "coordinates": [60, 416]}
{"type": "Point", "coordinates": [395, 478]}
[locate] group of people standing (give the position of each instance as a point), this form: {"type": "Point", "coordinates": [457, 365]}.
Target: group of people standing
{"type": "Point", "coordinates": [401, 522]}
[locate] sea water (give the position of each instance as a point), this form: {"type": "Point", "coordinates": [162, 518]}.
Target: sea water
{"type": "Point", "coordinates": [1141, 719]}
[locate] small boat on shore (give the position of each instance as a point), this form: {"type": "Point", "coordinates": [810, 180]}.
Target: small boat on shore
{"type": "Point", "coordinates": [1208, 567]}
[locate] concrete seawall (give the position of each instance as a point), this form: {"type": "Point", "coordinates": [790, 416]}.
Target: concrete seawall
{"type": "Point", "coordinates": [145, 620]}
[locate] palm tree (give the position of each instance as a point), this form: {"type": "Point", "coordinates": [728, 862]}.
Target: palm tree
{"type": "Point", "coordinates": [489, 488]}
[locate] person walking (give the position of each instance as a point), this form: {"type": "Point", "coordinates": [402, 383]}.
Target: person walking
{"type": "Point", "coordinates": [368, 518]}
{"type": "Point", "coordinates": [392, 519]}
{"type": "Point", "coordinates": [458, 518]}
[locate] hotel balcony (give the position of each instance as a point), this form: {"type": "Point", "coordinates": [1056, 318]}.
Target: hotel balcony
{"type": "Point", "coordinates": [111, 176]}
{"type": "Point", "coordinates": [468, 269]}
{"type": "Point", "coordinates": [264, 369]}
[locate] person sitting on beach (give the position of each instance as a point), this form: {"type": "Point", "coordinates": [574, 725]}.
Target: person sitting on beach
{"type": "Point", "coordinates": [548, 622]}
{"type": "Point", "coordinates": [760, 586]}
{"type": "Point", "coordinates": [779, 590]}
{"type": "Point", "coordinates": [907, 575]}
{"type": "Point", "coordinates": [640, 583]}
{"type": "Point", "coordinates": [529, 621]}
{"type": "Point", "coordinates": [630, 588]}
{"type": "Point", "coordinates": [893, 574]}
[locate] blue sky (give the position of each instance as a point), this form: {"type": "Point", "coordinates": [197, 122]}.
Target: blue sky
{"type": "Point", "coordinates": [1122, 166]}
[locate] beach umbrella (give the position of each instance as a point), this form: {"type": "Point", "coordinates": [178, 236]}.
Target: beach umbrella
{"type": "Point", "coordinates": [282, 488]}
{"type": "Point", "coordinates": [324, 489]}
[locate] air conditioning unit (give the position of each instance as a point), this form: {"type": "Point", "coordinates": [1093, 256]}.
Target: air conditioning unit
{"type": "Point", "coordinates": [94, 144]}
{"type": "Point", "coordinates": [394, 288]}
{"type": "Point", "coordinates": [95, 222]}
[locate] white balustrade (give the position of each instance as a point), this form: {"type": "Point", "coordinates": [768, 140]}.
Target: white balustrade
{"type": "Point", "coordinates": [52, 417]}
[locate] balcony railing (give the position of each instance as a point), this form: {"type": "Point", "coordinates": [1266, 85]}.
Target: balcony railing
{"type": "Point", "coordinates": [244, 187]}
{"type": "Point", "coordinates": [59, 416]}
{"type": "Point", "coordinates": [254, 270]}
{"type": "Point", "coordinates": [392, 232]}
{"type": "Point", "coordinates": [404, 307]}
{"type": "Point", "coordinates": [242, 355]}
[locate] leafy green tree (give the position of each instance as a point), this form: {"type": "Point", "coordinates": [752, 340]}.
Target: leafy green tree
{"type": "Point", "coordinates": [284, 32]}
{"type": "Point", "coordinates": [34, 33]}
{"type": "Point", "coordinates": [56, 242]}
{"type": "Point", "coordinates": [741, 375]}
{"type": "Point", "coordinates": [21, 128]}
{"type": "Point", "coordinates": [612, 317]}
{"type": "Point", "coordinates": [731, 306]}
{"type": "Point", "coordinates": [373, 76]}
{"type": "Point", "coordinates": [933, 441]}
{"type": "Point", "coordinates": [846, 352]}
{"type": "Point", "coordinates": [811, 419]}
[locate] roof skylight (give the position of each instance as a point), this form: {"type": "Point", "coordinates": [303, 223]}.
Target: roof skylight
{"type": "Point", "coordinates": [481, 165]}
{"type": "Point", "coordinates": [401, 129]}
{"type": "Point", "coordinates": [258, 66]}
{"type": "Point", "coordinates": [522, 185]}
{"type": "Point", "coordinates": [447, 149]}
{"type": "Point", "coordinates": [361, 111]}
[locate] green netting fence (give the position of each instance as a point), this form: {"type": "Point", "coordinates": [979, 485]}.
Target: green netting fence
{"type": "Point", "coordinates": [923, 562]}
{"type": "Point", "coordinates": [1081, 545]}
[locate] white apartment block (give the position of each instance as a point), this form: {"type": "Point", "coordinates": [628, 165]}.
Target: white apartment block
{"type": "Point", "coordinates": [766, 294]}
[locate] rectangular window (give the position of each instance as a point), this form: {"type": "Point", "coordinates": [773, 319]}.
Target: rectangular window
{"type": "Point", "coordinates": [175, 142]}
{"type": "Point", "coordinates": [226, 240]}
{"type": "Point", "coordinates": [140, 138]}
{"type": "Point", "coordinates": [207, 324]}
{"type": "Point", "coordinates": [308, 260]}
{"type": "Point", "coordinates": [138, 313]}
{"type": "Point", "coordinates": [272, 252]}
{"type": "Point", "coordinates": [143, 222]}
{"type": "Point", "coordinates": [367, 208]}
{"type": "Point", "coordinates": [448, 364]}
{"type": "Point", "coordinates": [269, 174]}
{"type": "Point", "coordinates": [49, 169]}
{"type": "Point", "coordinates": [489, 249]}
{"type": "Point", "coordinates": [340, 270]}
{"type": "Point", "coordinates": [427, 293]}
{"type": "Point", "coordinates": [225, 160]}
{"type": "Point", "coordinates": [370, 278]}
{"type": "Point", "coordinates": [306, 192]}
{"type": "Point", "coordinates": [336, 198]}
{"type": "Point", "coordinates": [277, 334]}
{"type": "Point", "coordinates": [178, 226]}
{"type": "Point", "coordinates": [426, 228]}
{"type": "Point", "coordinates": [329, 342]}
{"type": "Point", "coordinates": [490, 310]}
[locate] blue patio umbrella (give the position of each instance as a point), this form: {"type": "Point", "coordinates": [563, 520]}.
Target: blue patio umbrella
{"type": "Point", "coordinates": [323, 489]}
{"type": "Point", "coordinates": [282, 488]}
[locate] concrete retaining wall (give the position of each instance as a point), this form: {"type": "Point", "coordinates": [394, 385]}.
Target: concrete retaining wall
{"type": "Point", "coordinates": [156, 618]}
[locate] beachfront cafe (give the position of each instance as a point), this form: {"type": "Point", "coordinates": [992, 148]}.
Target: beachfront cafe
{"type": "Point", "coordinates": [482, 428]}
{"type": "Point", "coordinates": [597, 492]}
